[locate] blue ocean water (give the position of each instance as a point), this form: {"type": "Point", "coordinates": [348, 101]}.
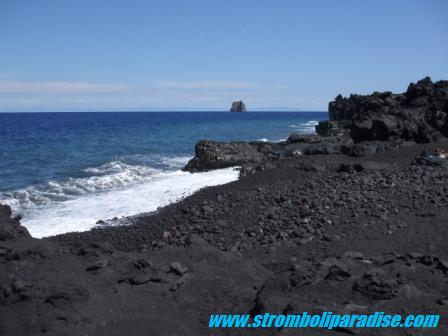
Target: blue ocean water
{"type": "Point", "coordinates": [64, 171]}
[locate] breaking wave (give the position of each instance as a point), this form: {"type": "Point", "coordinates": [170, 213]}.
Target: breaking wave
{"type": "Point", "coordinates": [114, 189]}
{"type": "Point", "coordinates": [305, 128]}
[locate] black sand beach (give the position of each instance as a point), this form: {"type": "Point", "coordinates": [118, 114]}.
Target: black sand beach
{"type": "Point", "coordinates": [350, 221]}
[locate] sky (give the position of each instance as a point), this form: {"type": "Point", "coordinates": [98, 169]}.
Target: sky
{"type": "Point", "coordinates": [131, 55]}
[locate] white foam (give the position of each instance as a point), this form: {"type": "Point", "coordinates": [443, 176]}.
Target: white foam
{"type": "Point", "coordinates": [175, 162]}
{"type": "Point", "coordinates": [105, 177]}
{"type": "Point", "coordinates": [305, 128]}
{"type": "Point", "coordinates": [310, 123]}
{"type": "Point", "coordinates": [108, 176]}
{"type": "Point", "coordinates": [280, 140]}
{"type": "Point", "coordinates": [82, 212]}
{"type": "Point", "coordinates": [267, 140]}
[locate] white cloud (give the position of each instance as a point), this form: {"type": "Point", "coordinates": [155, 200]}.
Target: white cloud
{"type": "Point", "coordinates": [206, 85]}
{"type": "Point", "coordinates": [59, 87]}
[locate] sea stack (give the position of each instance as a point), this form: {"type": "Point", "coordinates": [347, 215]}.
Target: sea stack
{"type": "Point", "coordinates": [238, 106]}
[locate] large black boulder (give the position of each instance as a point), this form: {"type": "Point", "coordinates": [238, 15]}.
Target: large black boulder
{"type": "Point", "coordinates": [215, 155]}
{"type": "Point", "coordinates": [10, 229]}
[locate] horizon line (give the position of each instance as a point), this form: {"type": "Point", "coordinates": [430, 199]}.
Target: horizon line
{"type": "Point", "coordinates": [168, 111]}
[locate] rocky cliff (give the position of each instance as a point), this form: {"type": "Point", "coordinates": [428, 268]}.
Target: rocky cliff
{"type": "Point", "coordinates": [419, 114]}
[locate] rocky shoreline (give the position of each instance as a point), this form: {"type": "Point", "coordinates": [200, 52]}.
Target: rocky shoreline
{"type": "Point", "coordinates": [353, 220]}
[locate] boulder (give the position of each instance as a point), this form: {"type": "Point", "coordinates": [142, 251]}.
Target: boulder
{"type": "Point", "coordinates": [10, 229]}
{"type": "Point", "coordinates": [215, 155]}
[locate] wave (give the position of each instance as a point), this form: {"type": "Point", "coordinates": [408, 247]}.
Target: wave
{"type": "Point", "coordinates": [105, 177]}
{"type": "Point", "coordinates": [311, 123]}
{"type": "Point", "coordinates": [267, 140]}
{"type": "Point", "coordinates": [114, 189]}
{"type": "Point", "coordinates": [306, 127]}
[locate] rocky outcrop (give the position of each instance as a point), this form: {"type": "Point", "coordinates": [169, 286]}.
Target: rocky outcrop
{"type": "Point", "coordinates": [214, 155]}
{"type": "Point", "coordinates": [10, 228]}
{"type": "Point", "coordinates": [330, 128]}
{"type": "Point", "coordinates": [420, 114]}
{"type": "Point", "coordinates": [297, 145]}
{"type": "Point", "coordinates": [257, 155]}
{"type": "Point", "coordinates": [238, 106]}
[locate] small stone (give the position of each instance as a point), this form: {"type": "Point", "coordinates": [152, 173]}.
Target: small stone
{"type": "Point", "coordinates": [292, 260]}
{"type": "Point", "coordinates": [177, 268]}
{"type": "Point", "coordinates": [18, 286]}
{"type": "Point", "coordinates": [97, 266]}
{"type": "Point", "coordinates": [207, 209]}
{"type": "Point", "coordinates": [353, 255]}
{"type": "Point", "coordinates": [138, 280]}
{"type": "Point", "coordinates": [304, 241]}
{"type": "Point", "coordinates": [7, 292]}
{"type": "Point", "coordinates": [338, 273]}
{"type": "Point", "coordinates": [443, 302]}
{"type": "Point", "coordinates": [17, 218]}
{"type": "Point", "coordinates": [443, 265]}
{"type": "Point", "coordinates": [141, 264]}
{"type": "Point", "coordinates": [306, 220]}
{"type": "Point", "coordinates": [416, 255]}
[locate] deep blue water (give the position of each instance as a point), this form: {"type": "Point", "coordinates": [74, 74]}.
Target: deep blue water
{"type": "Point", "coordinates": [52, 157]}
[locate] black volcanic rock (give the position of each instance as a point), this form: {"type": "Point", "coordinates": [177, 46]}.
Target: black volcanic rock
{"type": "Point", "coordinates": [420, 114]}
{"type": "Point", "coordinates": [10, 229]}
{"type": "Point", "coordinates": [258, 155]}
{"type": "Point", "coordinates": [238, 106]}
{"type": "Point", "coordinates": [360, 125]}
{"type": "Point", "coordinates": [214, 155]}
{"type": "Point", "coordinates": [281, 240]}
{"type": "Point", "coordinates": [328, 145]}
{"type": "Point", "coordinates": [330, 128]}
{"type": "Point", "coordinates": [300, 232]}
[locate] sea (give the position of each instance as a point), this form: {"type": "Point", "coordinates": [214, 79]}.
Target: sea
{"type": "Point", "coordinates": [63, 172]}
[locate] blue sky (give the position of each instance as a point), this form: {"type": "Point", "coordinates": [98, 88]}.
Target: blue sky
{"type": "Point", "coordinates": [82, 55]}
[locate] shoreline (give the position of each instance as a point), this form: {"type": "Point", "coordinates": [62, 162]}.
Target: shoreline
{"type": "Point", "coordinates": [52, 191]}
{"type": "Point", "coordinates": [334, 223]}
{"type": "Point", "coordinates": [158, 191]}
{"type": "Point", "coordinates": [308, 254]}
{"type": "Point", "coordinates": [314, 167]}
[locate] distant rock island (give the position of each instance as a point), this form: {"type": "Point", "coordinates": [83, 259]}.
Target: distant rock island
{"type": "Point", "coordinates": [238, 106]}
